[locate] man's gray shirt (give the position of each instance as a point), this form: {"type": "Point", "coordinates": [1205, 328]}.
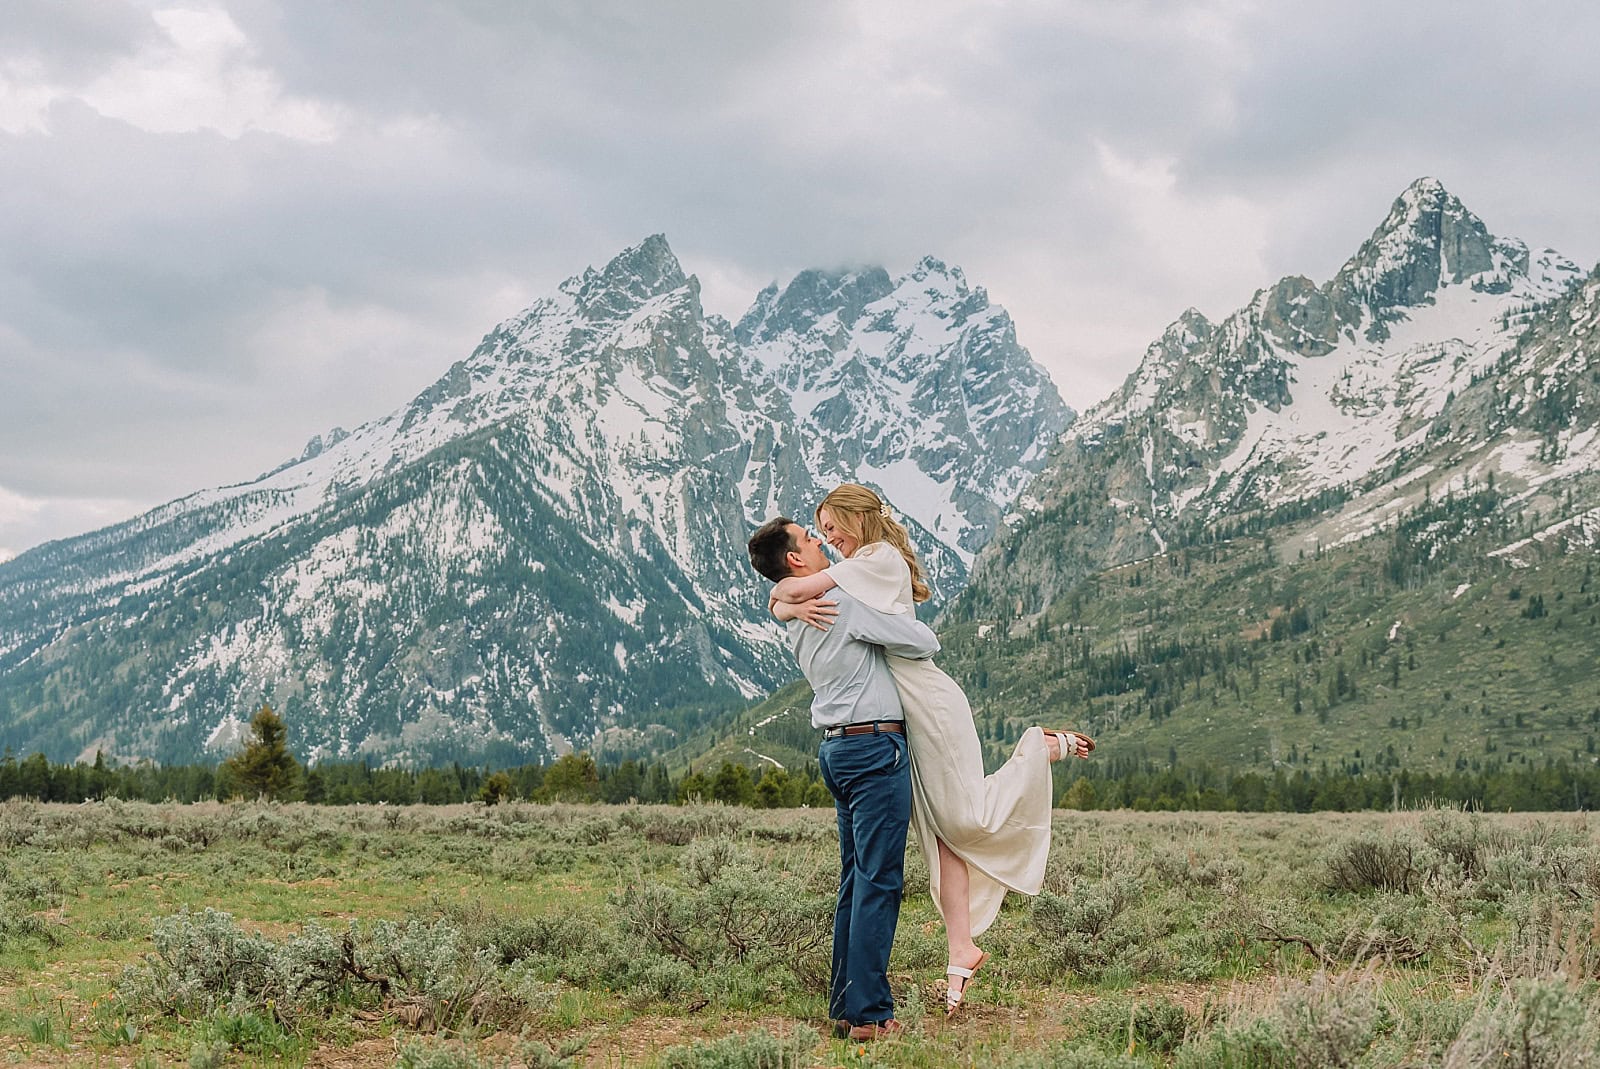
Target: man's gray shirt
{"type": "Point", "coordinates": [845, 664]}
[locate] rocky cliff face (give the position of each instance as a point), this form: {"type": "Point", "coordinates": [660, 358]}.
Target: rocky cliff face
{"type": "Point", "coordinates": [1436, 352]}
{"type": "Point", "coordinates": [917, 384]}
{"type": "Point", "coordinates": [546, 547]}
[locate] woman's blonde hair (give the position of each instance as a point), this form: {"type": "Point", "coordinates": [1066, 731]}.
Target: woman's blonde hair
{"type": "Point", "coordinates": [862, 515]}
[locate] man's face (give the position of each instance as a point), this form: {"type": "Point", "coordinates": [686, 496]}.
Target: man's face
{"type": "Point", "coordinates": [808, 549]}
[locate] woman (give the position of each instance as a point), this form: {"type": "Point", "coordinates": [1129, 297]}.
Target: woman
{"type": "Point", "coordinates": [982, 835]}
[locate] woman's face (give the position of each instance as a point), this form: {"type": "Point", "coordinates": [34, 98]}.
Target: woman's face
{"type": "Point", "coordinates": [835, 535]}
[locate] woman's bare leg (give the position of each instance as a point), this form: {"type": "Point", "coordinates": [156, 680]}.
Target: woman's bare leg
{"type": "Point", "coordinates": [954, 903]}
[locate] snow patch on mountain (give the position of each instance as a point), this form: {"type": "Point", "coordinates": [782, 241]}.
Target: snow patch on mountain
{"type": "Point", "coordinates": [1578, 532]}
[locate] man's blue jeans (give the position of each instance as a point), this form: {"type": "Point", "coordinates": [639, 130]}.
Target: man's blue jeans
{"type": "Point", "coordinates": [869, 776]}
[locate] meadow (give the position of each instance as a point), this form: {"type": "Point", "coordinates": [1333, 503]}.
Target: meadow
{"type": "Point", "coordinates": [696, 937]}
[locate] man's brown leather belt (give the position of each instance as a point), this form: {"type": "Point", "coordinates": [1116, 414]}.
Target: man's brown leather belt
{"type": "Point", "coordinates": [893, 727]}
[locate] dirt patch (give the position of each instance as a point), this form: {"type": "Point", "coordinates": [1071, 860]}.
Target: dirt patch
{"type": "Point", "coordinates": [361, 1054]}
{"type": "Point", "coordinates": [645, 1037]}
{"type": "Point", "coordinates": [1195, 998]}
{"type": "Point", "coordinates": [17, 1058]}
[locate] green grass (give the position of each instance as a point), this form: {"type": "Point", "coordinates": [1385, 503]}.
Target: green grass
{"type": "Point", "coordinates": [514, 936]}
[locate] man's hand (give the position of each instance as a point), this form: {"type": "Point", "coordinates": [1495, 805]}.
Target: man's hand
{"type": "Point", "coordinates": [819, 613]}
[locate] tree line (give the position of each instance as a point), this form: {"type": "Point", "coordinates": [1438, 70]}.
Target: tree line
{"type": "Point", "coordinates": [1557, 785]}
{"type": "Point", "coordinates": [264, 768]}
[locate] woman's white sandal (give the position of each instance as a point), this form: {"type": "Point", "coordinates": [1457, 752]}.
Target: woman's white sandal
{"type": "Point", "coordinates": [953, 999]}
{"type": "Point", "coordinates": [1070, 749]}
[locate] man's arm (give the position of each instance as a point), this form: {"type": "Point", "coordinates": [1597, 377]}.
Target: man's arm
{"type": "Point", "coordinates": [901, 634]}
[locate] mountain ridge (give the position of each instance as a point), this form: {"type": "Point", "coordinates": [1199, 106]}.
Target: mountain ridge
{"type": "Point", "coordinates": [1303, 391]}
{"type": "Point", "coordinates": [542, 549]}
{"type": "Point", "coordinates": [1351, 526]}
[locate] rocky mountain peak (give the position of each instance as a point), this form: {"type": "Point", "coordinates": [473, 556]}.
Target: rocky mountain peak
{"type": "Point", "coordinates": [1428, 239]}
{"type": "Point", "coordinates": [938, 276]}
{"type": "Point", "coordinates": [318, 443]}
{"type": "Point", "coordinates": [1190, 327]}
{"type": "Point", "coordinates": [809, 298]}
{"type": "Point", "coordinates": [634, 276]}
{"type": "Point", "coordinates": [1164, 358]}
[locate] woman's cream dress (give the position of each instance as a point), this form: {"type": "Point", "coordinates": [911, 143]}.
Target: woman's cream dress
{"type": "Point", "coordinates": [998, 824]}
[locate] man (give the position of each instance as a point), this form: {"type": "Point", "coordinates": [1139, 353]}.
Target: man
{"type": "Point", "coordinates": [865, 764]}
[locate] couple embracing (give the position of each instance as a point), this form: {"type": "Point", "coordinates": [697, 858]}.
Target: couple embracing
{"type": "Point", "coordinates": [900, 750]}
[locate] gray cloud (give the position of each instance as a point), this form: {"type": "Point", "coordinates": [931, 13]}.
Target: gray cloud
{"type": "Point", "coordinates": [71, 39]}
{"type": "Point", "coordinates": [224, 233]}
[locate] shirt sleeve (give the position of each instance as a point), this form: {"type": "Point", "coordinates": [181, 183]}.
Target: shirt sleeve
{"type": "Point", "coordinates": [901, 634]}
{"type": "Point", "coordinates": [877, 576]}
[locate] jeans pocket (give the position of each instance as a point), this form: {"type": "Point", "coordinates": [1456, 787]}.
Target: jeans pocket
{"type": "Point", "coordinates": [853, 760]}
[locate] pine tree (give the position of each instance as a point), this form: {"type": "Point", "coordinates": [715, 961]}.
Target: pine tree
{"type": "Point", "coordinates": [1079, 796]}
{"type": "Point", "coordinates": [265, 768]}
{"type": "Point", "coordinates": [573, 778]}
{"type": "Point", "coordinates": [732, 785]}
{"type": "Point", "coordinates": [497, 788]}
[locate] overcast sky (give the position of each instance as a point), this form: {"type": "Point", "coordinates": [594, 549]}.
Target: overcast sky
{"type": "Point", "coordinates": [227, 226]}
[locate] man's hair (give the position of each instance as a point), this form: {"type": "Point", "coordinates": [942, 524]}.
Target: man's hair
{"type": "Point", "coordinates": [770, 547]}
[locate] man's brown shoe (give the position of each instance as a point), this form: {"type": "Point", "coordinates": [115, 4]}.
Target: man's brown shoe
{"type": "Point", "coordinates": [865, 1033]}
{"type": "Point", "coordinates": [840, 1029]}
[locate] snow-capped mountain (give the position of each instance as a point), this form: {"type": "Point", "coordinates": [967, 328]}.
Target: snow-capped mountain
{"type": "Point", "coordinates": [1438, 353]}
{"type": "Point", "coordinates": [545, 548]}
{"type": "Point", "coordinates": [916, 383]}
